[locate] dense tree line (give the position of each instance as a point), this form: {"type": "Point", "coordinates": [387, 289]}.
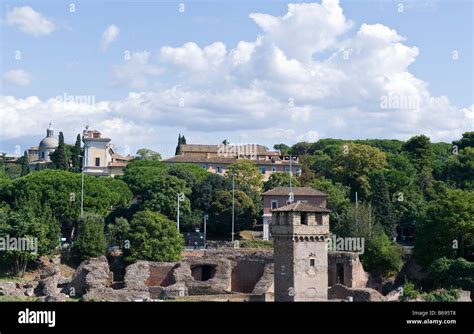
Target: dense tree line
{"type": "Point", "coordinates": [415, 192]}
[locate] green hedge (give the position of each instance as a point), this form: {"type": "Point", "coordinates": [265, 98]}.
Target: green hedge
{"type": "Point", "coordinates": [256, 244]}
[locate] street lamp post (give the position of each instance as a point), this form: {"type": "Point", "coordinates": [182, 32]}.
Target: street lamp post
{"type": "Point", "coordinates": [290, 194]}
{"type": "Point", "coordinates": [233, 205]}
{"type": "Point", "coordinates": [180, 199]}
{"type": "Point", "coordinates": [83, 158]}
{"type": "Point", "coordinates": [206, 216]}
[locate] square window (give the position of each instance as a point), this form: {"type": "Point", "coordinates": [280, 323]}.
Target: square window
{"type": "Point", "coordinates": [304, 218]}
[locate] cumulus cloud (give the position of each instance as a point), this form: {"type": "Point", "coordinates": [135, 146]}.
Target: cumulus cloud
{"type": "Point", "coordinates": [18, 77]}
{"type": "Point", "coordinates": [109, 36]}
{"type": "Point", "coordinates": [29, 21]}
{"type": "Point", "coordinates": [305, 29]}
{"type": "Point", "coordinates": [309, 74]}
{"type": "Point", "coordinates": [191, 57]}
{"type": "Point", "coordinates": [135, 70]}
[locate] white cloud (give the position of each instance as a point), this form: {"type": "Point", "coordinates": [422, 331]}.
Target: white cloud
{"type": "Point", "coordinates": [109, 36]}
{"type": "Point", "coordinates": [192, 57]}
{"type": "Point", "coordinates": [307, 76]}
{"type": "Point", "coordinates": [29, 21]}
{"type": "Point", "coordinates": [135, 70]}
{"type": "Point", "coordinates": [18, 77]}
{"type": "Point", "coordinates": [305, 29]}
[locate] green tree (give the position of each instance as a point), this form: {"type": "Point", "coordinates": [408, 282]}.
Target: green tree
{"type": "Point", "coordinates": [90, 241]}
{"type": "Point", "coordinates": [337, 201]}
{"type": "Point", "coordinates": [43, 229]}
{"type": "Point", "coordinates": [162, 196]}
{"type": "Point", "coordinates": [139, 174]}
{"type": "Point", "coordinates": [307, 174]}
{"type": "Point", "coordinates": [190, 173]}
{"type": "Point", "coordinates": [452, 273]}
{"type": "Point", "coordinates": [382, 256]}
{"type": "Point", "coordinates": [76, 153]}
{"type": "Point", "coordinates": [447, 228]}
{"type": "Point", "coordinates": [220, 221]}
{"type": "Point", "coordinates": [181, 141]}
{"type": "Point", "coordinates": [321, 163]}
{"type": "Point", "coordinates": [382, 204]}
{"type": "Point", "coordinates": [354, 164]}
{"type": "Point", "coordinates": [246, 172]}
{"type": "Point", "coordinates": [117, 232]}
{"type": "Point", "coordinates": [280, 179]}
{"type": "Point", "coordinates": [147, 154]}
{"type": "Point", "coordinates": [204, 193]}
{"type": "Point", "coordinates": [60, 156]}
{"type": "Point", "coordinates": [458, 170]}
{"type": "Point", "coordinates": [419, 150]}
{"type": "Point", "coordinates": [153, 237]}
{"type": "Point", "coordinates": [25, 168]}
{"type": "Point", "coordinates": [467, 140]}
{"type": "Point", "coordinates": [385, 145]}
{"type": "Point", "coordinates": [284, 149]}
{"type": "Point", "coordinates": [60, 191]}
{"type": "Point", "coordinates": [300, 148]}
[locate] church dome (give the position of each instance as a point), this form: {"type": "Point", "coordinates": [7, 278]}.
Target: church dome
{"type": "Point", "coordinates": [48, 142]}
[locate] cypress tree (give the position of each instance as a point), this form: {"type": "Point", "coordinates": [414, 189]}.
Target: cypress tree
{"type": "Point", "coordinates": [382, 204]}
{"type": "Point", "coordinates": [59, 156]}
{"type": "Point", "coordinates": [25, 168]}
{"type": "Point", "coordinates": [179, 143]}
{"type": "Point", "coordinates": [76, 154]}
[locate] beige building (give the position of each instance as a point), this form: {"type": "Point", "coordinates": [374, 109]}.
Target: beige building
{"type": "Point", "coordinates": [217, 158]}
{"type": "Point", "coordinates": [299, 232]}
{"type": "Point", "coordinates": [279, 196]}
{"type": "Point", "coordinates": [99, 156]}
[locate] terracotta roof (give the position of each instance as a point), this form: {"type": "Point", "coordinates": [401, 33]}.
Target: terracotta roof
{"type": "Point", "coordinates": [297, 191]}
{"type": "Point", "coordinates": [215, 148]}
{"type": "Point", "coordinates": [223, 160]}
{"type": "Point", "coordinates": [217, 160]}
{"type": "Point", "coordinates": [120, 157]}
{"type": "Point", "coordinates": [300, 207]}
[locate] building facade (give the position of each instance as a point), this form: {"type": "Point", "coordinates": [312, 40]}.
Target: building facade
{"type": "Point", "coordinates": [99, 156]}
{"type": "Point", "coordinates": [217, 158]}
{"type": "Point", "coordinates": [300, 231]}
{"type": "Point", "coordinates": [277, 197]}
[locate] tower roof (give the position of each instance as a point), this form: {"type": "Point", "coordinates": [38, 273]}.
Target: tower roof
{"type": "Point", "coordinates": [300, 207]}
{"type": "Point", "coordinates": [297, 191]}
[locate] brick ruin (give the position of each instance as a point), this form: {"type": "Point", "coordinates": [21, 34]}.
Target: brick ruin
{"type": "Point", "coordinates": [229, 274]}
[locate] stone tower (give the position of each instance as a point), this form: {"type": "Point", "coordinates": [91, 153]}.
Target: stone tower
{"type": "Point", "coordinates": [299, 231]}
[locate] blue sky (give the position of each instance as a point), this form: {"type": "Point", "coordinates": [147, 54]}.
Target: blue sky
{"type": "Point", "coordinates": [69, 60]}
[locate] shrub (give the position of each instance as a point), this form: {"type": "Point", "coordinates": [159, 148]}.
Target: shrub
{"type": "Point", "coordinates": [90, 241]}
{"type": "Point", "coordinates": [256, 244]}
{"type": "Point", "coordinates": [452, 273]}
{"type": "Point", "coordinates": [442, 295]}
{"type": "Point", "coordinates": [153, 237]}
{"type": "Point", "coordinates": [409, 291]}
{"type": "Point", "coordinates": [382, 256]}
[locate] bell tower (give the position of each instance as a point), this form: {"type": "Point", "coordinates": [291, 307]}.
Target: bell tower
{"type": "Point", "coordinates": [299, 232]}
